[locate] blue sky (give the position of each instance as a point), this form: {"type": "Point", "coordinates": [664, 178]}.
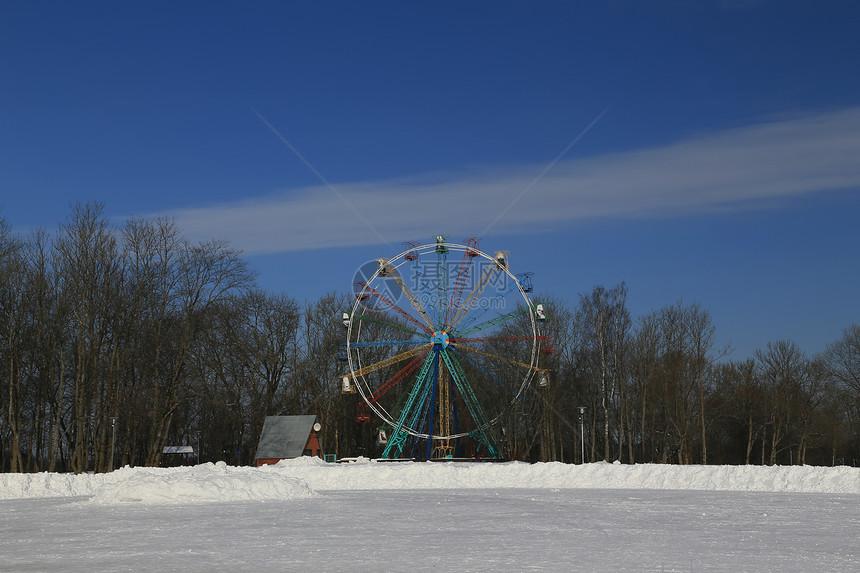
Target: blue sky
{"type": "Point", "coordinates": [703, 152]}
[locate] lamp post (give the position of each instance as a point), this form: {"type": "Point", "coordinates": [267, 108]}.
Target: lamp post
{"type": "Point", "coordinates": [112, 440]}
{"type": "Point", "coordinates": [582, 433]}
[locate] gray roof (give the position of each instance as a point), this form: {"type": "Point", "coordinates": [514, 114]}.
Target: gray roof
{"type": "Point", "coordinates": [284, 436]}
{"type": "Point", "coordinates": [177, 450]}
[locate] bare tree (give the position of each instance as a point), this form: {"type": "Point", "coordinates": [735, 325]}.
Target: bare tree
{"type": "Point", "coordinates": [557, 398]}
{"type": "Point", "coordinates": [841, 361]}
{"type": "Point", "coordinates": [700, 330]}
{"type": "Point", "coordinates": [644, 383]}
{"type": "Point", "coordinates": [12, 327]}
{"type": "Point", "coordinates": [843, 358]}
{"type": "Point", "coordinates": [747, 402]}
{"type": "Point", "coordinates": [208, 274]}
{"type": "Point", "coordinates": [316, 389]}
{"type": "Point", "coordinates": [269, 339]}
{"type": "Point", "coordinates": [783, 368]}
{"type": "Point", "coordinates": [153, 250]}
{"type": "Point", "coordinates": [89, 266]}
{"type": "Point", "coordinates": [47, 317]}
{"type": "Point", "coordinates": [604, 315]}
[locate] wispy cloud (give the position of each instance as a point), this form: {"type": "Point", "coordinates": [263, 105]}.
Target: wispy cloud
{"type": "Point", "coordinates": [723, 170]}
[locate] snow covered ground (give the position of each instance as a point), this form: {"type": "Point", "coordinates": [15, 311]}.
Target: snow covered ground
{"type": "Point", "coordinates": [305, 515]}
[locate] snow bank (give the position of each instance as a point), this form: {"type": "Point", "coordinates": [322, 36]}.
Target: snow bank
{"type": "Point", "coordinates": [206, 482]}
{"type": "Point", "coordinates": [19, 486]}
{"type": "Point", "coordinates": [370, 474]}
{"type": "Point", "coordinates": [291, 479]}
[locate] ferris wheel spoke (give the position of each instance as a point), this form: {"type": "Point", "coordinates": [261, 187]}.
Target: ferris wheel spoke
{"type": "Point", "coordinates": [397, 378]}
{"type": "Point", "coordinates": [469, 254]}
{"type": "Point", "coordinates": [495, 356]}
{"type": "Point", "coordinates": [463, 311]}
{"type": "Point", "coordinates": [462, 340]}
{"type": "Point", "coordinates": [393, 306]}
{"type": "Point", "coordinates": [413, 300]}
{"type": "Point", "coordinates": [495, 379]}
{"type": "Point", "coordinates": [391, 360]}
{"type": "Point", "coordinates": [385, 343]}
{"type": "Point", "coordinates": [501, 319]}
{"type": "Point", "coordinates": [442, 282]}
{"type": "Point", "coordinates": [496, 301]}
{"type": "Point", "coordinates": [381, 322]}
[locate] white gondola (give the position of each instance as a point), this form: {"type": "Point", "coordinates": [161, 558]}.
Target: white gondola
{"type": "Point", "coordinates": [502, 260]}
{"type": "Point", "coordinates": [540, 312]}
{"type": "Point", "coordinates": [543, 379]}
{"type": "Point", "coordinates": [346, 319]}
{"type": "Point", "coordinates": [383, 267]}
{"type": "Point", "coordinates": [346, 386]}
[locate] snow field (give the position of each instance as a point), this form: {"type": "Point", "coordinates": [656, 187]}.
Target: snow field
{"type": "Point", "coordinates": [306, 515]}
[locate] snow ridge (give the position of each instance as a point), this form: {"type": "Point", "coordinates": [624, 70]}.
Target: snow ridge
{"type": "Point", "coordinates": [303, 477]}
{"type": "Point", "coordinates": [373, 475]}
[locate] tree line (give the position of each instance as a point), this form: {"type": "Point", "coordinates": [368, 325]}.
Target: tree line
{"type": "Point", "coordinates": [658, 389]}
{"type": "Point", "coordinates": [119, 341]}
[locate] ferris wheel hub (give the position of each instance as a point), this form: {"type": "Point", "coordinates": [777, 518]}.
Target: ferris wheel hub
{"type": "Point", "coordinates": [440, 337]}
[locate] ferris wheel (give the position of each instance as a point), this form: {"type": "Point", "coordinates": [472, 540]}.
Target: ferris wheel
{"type": "Point", "coordinates": [440, 341]}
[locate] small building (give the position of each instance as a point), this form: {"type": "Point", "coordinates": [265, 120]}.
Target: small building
{"type": "Point", "coordinates": [176, 455]}
{"type": "Point", "coordinates": [287, 437]}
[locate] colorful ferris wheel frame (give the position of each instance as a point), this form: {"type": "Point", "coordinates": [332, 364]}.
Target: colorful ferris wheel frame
{"type": "Point", "coordinates": [441, 339]}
